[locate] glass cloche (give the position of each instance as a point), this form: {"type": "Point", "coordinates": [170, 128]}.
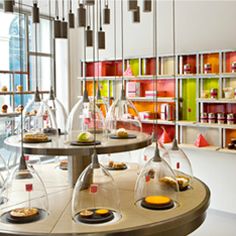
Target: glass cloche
{"type": "Point", "coordinates": [123, 114]}
{"type": "Point", "coordinates": [38, 117]}
{"type": "Point", "coordinates": [83, 117]}
{"type": "Point", "coordinates": [26, 195]}
{"type": "Point", "coordinates": [95, 197]}
{"type": "Point", "coordinates": [156, 187]}
{"type": "Point", "coordinates": [181, 166]}
{"type": "Point", "coordinates": [58, 110]}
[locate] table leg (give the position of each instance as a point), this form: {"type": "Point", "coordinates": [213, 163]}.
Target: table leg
{"type": "Point", "coordinates": [76, 165]}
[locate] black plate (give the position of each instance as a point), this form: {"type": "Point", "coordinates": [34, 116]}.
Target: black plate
{"type": "Point", "coordinates": [7, 218]}
{"type": "Point", "coordinates": [96, 219]}
{"type": "Point", "coordinates": [130, 136]}
{"type": "Point", "coordinates": [111, 168]}
{"type": "Point", "coordinates": [75, 143]}
{"type": "Point", "coordinates": [48, 141]}
{"type": "Point", "coordinates": [157, 207]}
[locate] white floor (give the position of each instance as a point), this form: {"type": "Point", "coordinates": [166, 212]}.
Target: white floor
{"type": "Point", "coordinates": [217, 223]}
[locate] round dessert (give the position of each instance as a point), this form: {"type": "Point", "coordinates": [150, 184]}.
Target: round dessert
{"type": "Point", "coordinates": [20, 108]}
{"type": "Point", "coordinates": [102, 212]}
{"type": "Point", "coordinates": [24, 212]}
{"type": "Point", "coordinates": [4, 108]}
{"type": "Point", "coordinates": [85, 137]}
{"type": "Point", "coordinates": [157, 200]}
{"type": "Point", "coordinates": [122, 133]}
{"type": "Point", "coordinates": [19, 88]}
{"type": "Point", "coordinates": [35, 137]}
{"type": "Point", "coordinates": [86, 214]}
{"type": "Point", "coordinates": [183, 182]}
{"type": "Point", "coordinates": [64, 164]}
{"type": "Point", "coordinates": [168, 180]}
{"type": "Point", "coordinates": [4, 89]}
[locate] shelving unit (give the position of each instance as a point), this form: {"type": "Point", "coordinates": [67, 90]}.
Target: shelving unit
{"type": "Point", "coordinates": [184, 93]}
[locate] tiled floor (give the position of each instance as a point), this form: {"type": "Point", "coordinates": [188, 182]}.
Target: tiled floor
{"type": "Point", "coordinates": [217, 223]}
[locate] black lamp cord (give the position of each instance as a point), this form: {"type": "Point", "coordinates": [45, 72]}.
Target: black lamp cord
{"type": "Point", "coordinates": [56, 9]}
{"type": "Point", "coordinates": [122, 43]}
{"type": "Point", "coordinates": [51, 45]}
{"type": "Point", "coordinates": [63, 9]}
{"type": "Point", "coordinates": [114, 45]}
{"type": "Point", "coordinates": [21, 78]}
{"type": "Point", "coordinates": [174, 52]}
{"type": "Point", "coordinates": [97, 45]}
{"type": "Point", "coordinates": [100, 14]}
{"type": "Point", "coordinates": [36, 56]}
{"type": "Point", "coordinates": [94, 82]}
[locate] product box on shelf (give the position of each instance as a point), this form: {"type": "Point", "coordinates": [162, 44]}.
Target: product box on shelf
{"type": "Point", "coordinates": [150, 93]}
{"type": "Point", "coordinates": [167, 111]}
{"type": "Point", "coordinates": [133, 89]}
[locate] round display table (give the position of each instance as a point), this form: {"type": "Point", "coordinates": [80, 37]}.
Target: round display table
{"type": "Point", "coordinates": [79, 156]}
{"type": "Point", "coordinates": [188, 215]}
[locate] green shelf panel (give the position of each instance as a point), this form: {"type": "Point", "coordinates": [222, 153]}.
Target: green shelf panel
{"type": "Point", "coordinates": [208, 84]}
{"type": "Point", "coordinates": [134, 64]}
{"type": "Point", "coordinates": [189, 99]}
{"type": "Point", "coordinates": [104, 85]}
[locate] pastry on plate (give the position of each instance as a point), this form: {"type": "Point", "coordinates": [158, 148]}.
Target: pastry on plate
{"type": "Point", "coordinates": [24, 212]}
{"type": "Point", "coordinates": [64, 164]}
{"type": "Point", "coordinates": [122, 133]}
{"type": "Point", "coordinates": [158, 200]}
{"type": "Point", "coordinates": [102, 212]}
{"type": "Point", "coordinates": [35, 137]}
{"type": "Point", "coordinates": [20, 108]}
{"type": "Point", "coordinates": [86, 214]}
{"type": "Point", "coordinates": [183, 181]}
{"type": "Point", "coordinates": [4, 108]}
{"type": "Point", "coordinates": [19, 88]}
{"type": "Point", "coordinates": [4, 89]}
{"type": "Point", "coordinates": [85, 137]}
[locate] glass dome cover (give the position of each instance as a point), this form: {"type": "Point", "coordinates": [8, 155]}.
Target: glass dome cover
{"type": "Point", "coordinates": [82, 118]}
{"type": "Point", "coordinates": [156, 187]}
{"type": "Point", "coordinates": [58, 110]}
{"type": "Point", "coordinates": [123, 114]}
{"type": "Point", "coordinates": [38, 117]}
{"type": "Point", "coordinates": [27, 197]}
{"type": "Point", "coordinates": [181, 166]}
{"type": "Point", "coordinates": [95, 196]}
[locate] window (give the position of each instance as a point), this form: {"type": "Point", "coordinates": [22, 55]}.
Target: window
{"type": "Point", "coordinates": [10, 73]}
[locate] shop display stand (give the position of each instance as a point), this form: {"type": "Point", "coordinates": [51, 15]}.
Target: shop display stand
{"type": "Point", "coordinates": [185, 93]}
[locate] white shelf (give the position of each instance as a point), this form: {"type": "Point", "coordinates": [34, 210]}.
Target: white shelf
{"type": "Point", "coordinates": [207, 125]}
{"type": "Point", "coordinates": [10, 114]}
{"type": "Point", "coordinates": [214, 100]}
{"type": "Point", "coordinates": [186, 123]}
{"type": "Point", "coordinates": [226, 150]}
{"type": "Point", "coordinates": [187, 76]}
{"type": "Point", "coordinates": [151, 99]}
{"type": "Point", "coordinates": [101, 78]}
{"type": "Point", "coordinates": [209, 76]}
{"type": "Point", "coordinates": [228, 75]}
{"type": "Point", "coordinates": [160, 122]}
{"type": "Point", "coordinates": [193, 147]}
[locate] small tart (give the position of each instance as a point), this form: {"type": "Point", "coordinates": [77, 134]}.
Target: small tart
{"type": "Point", "coordinates": [157, 200]}
{"type": "Point", "coordinates": [86, 213]}
{"type": "Point", "coordinates": [122, 133]}
{"type": "Point", "coordinates": [183, 181]}
{"type": "Point", "coordinates": [102, 212]}
{"type": "Point", "coordinates": [24, 212]}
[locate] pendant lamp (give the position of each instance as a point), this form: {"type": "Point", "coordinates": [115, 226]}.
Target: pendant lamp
{"type": "Point", "coordinates": [54, 104]}
{"type": "Point", "coordinates": [8, 5]}
{"type": "Point", "coordinates": [136, 15]}
{"type": "Point", "coordinates": [156, 187]}
{"type": "Point", "coordinates": [64, 24]}
{"type": "Point", "coordinates": [147, 5]}
{"type": "Point", "coordinates": [71, 17]}
{"type": "Point", "coordinates": [38, 117]}
{"type": "Point", "coordinates": [122, 113]}
{"type": "Point", "coordinates": [24, 189]}
{"type": "Point", "coordinates": [106, 14]}
{"type": "Point", "coordinates": [132, 5]}
{"type": "Point", "coordinates": [89, 31]}
{"type": "Point", "coordinates": [95, 197]}
{"type": "Point", "coordinates": [178, 159]}
{"type": "Point", "coordinates": [35, 12]}
{"type": "Point", "coordinates": [81, 15]}
{"type": "Point", "coordinates": [57, 22]}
